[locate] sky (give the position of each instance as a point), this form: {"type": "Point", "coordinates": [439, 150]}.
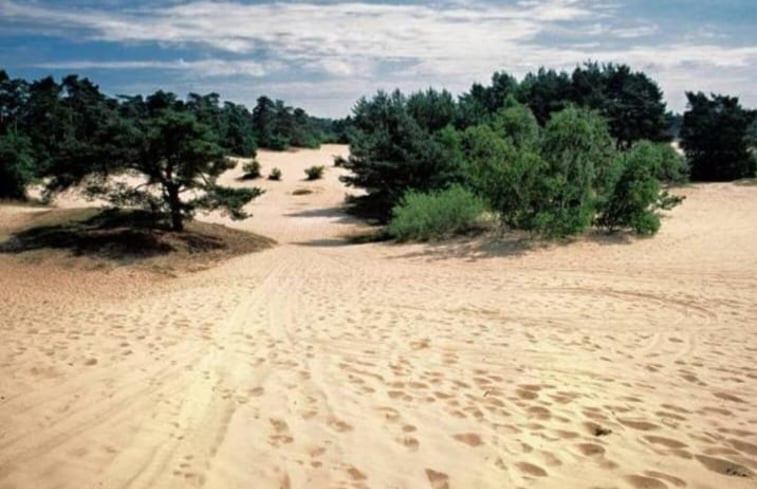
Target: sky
{"type": "Point", "coordinates": [324, 55]}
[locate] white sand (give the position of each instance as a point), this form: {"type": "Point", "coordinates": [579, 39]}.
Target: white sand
{"type": "Point", "coordinates": [313, 365]}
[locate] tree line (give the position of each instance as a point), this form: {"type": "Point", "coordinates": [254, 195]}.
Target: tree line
{"type": "Point", "coordinates": [68, 132]}
{"type": "Point", "coordinates": [554, 154]}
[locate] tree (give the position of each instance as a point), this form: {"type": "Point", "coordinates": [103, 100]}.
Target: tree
{"type": "Point", "coordinates": [180, 161]}
{"type": "Point", "coordinates": [578, 151]}
{"type": "Point", "coordinates": [636, 109]}
{"type": "Point", "coordinates": [16, 165]}
{"type": "Point", "coordinates": [715, 138]}
{"type": "Point", "coordinates": [545, 92]}
{"type": "Point", "coordinates": [634, 194]}
{"type": "Point", "coordinates": [238, 138]}
{"type": "Point", "coordinates": [432, 109]}
{"type": "Point", "coordinates": [480, 103]}
{"type": "Point", "coordinates": [390, 154]}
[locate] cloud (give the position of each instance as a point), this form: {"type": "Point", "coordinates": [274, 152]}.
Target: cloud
{"type": "Point", "coordinates": [448, 43]}
{"type": "Point", "coordinates": [207, 67]}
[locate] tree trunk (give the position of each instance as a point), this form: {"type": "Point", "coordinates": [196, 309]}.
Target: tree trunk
{"type": "Point", "coordinates": [177, 220]}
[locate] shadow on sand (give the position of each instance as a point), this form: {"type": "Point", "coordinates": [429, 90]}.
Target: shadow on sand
{"type": "Point", "coordinates": [123, 236]}
{"type": "Point", "coordinates": [508, 244]}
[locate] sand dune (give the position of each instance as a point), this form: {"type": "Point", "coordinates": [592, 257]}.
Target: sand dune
{"type": "Point", "coordinates": [597, 364]}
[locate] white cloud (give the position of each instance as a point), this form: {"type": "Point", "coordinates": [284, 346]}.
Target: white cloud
{"type": "Point", "coordinates": [370, 45]}
{"type": "Point", "coordinates": [208, 67]}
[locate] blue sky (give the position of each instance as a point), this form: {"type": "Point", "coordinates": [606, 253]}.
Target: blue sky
{"type": "Point", "coordinates": [323, 55]}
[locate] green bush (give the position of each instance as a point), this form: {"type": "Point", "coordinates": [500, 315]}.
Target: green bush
{"type": "Point", "coordinates": [423, 216]}
{"type": "Point", "coordinates": [635, 193]}
{"type": "Point", "coordinates": [672, 167]}
{"type": "Point", "coordinates": [251, 170]}
{"type": "Point", "coordinates": [578, 152]}
{"type": "Point", "coordinates": [314, 172]}
{"type": "Point", "coordinates": [16, 166]}
{"type": "Point", "coordinates": [275, 174]}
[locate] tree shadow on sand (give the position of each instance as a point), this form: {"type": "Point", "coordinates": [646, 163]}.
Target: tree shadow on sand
{"type": "Point", "coordinates": [120, 235]}
{"type": "Point", "coordinates": [508, 244]}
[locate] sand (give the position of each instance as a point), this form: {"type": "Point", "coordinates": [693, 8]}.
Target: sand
{"type": "Point", "coordinates": [602, 363]}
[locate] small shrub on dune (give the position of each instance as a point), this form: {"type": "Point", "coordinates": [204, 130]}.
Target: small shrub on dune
{"type": "Point", "coordinates": [424, 216]}
{"type": "Point", "coordinates": [275, 174]}
{"type": "Point", "coordinates": [251, 170]}
{"type": "Point", "coordinates": [314, 172]}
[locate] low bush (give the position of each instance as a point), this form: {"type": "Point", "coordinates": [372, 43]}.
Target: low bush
{"type": "Point", "coordinates": [251, 170]}
{"type": "Point", "coordinates": [314, 172]}
{"type": "Point", "coordinates": [635, 194]}
{"type": "Point", "coordinates": [672, 167]}
{"type": "Point", "coordinates": [275, 174]}
{"type": "Point", "coordinates": [423, 216]}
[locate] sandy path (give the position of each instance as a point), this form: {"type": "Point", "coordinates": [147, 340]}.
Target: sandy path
{"type": "Point", "coordinates": [318, 365]}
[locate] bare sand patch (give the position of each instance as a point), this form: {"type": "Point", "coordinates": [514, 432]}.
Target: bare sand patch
{"type": "Point", "coordinates": [599, 363]}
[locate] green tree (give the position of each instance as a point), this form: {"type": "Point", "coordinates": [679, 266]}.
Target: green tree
{"type": "Point", "coordinates": [634, 194]}
{"type": "Point", "coordinates": [545, 92]}
{"type": "Point", "coordinates": [180, 161]}
{"type": "Point", "coordinates": [16, 165]}
{"type": "Point", "coordinates": [432, 109]}
{"type": "Point", "coordinates": [715, 138]}
{"type": "Point", "coordinates": [391, 154]}
{"type": "Point", "coordinates": [578, 151]}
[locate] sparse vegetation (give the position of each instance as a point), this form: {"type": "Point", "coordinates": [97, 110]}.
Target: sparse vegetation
{"type": "Point", "coordinates": [251, 170]}
{"type": "Point", "coordinates": [314, 172]}
{"type": "Point", "coordinates": [275, 174]}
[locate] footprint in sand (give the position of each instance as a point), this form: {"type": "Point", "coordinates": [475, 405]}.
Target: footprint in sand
{"type": "Point", "coordinates": [438, 480]}
{"type": "Point", "coordinates": [644, 482]}
{"type": "Point", "coordinates": [531, 469]}
{"type": "Point", "coordinates": [666, 442]}
{"type": "Point", "coordinates": [470, 439]}
{"type": "Point", "coordinates": [724, 467]}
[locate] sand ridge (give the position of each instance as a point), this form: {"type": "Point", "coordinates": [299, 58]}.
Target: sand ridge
{"type": "Point", "coordinates": [596, 364]}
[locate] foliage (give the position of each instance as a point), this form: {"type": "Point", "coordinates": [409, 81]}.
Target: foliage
{"type": "Point", "coordinates": [508, 176]}
{"type": "Point", "coordinates": [578, 152]}
{"type": "Point", "coordinates": [251, 170]}
{"type": "Point", "coordinates": [423, 216]}
{"type": "Point", "coordinates": [278, 126]}
{"type": "Point", "coordinates": [672, 167]}
{"type": "Point", "coordinates": [634, 194]}
{"type": "Point", "coordinates": [16, 165]}
{"type": "Point", "coordinates": [314, 172]}
{"type": "Point", "coordinates": [715, 137]}
{"type": "Point", "coordinates": [432, 110]}
{"type": "Point", "coordinates": [391, 153]}
{"type": "Point", "coordinates": [176, 155]}
{"type": "Point", "coordinates": [275, 174]}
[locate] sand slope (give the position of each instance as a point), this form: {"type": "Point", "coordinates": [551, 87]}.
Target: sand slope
{"type": "Point", "coordinates": [313, 365]}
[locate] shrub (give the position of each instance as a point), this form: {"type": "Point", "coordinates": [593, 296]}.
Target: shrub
{"type": "Point", "coordinates": [390, 153]}
{"type": "Point", "coordinates": [635, 194]}
{"type": "Point", "coordinates": [314, 172]}
{"type": "Point", "coordinates": [275, 174]}
{"type": "Point", "coordinates": [578, 152]}
{"type": "Point", "coordinates": [16, 166]}
{"type": "Point", "coordinates": [672, 167]}
{"type": "Point", "coordinates": [423, 216]}
{"type": "Point", "coordinates": [251, 170]}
